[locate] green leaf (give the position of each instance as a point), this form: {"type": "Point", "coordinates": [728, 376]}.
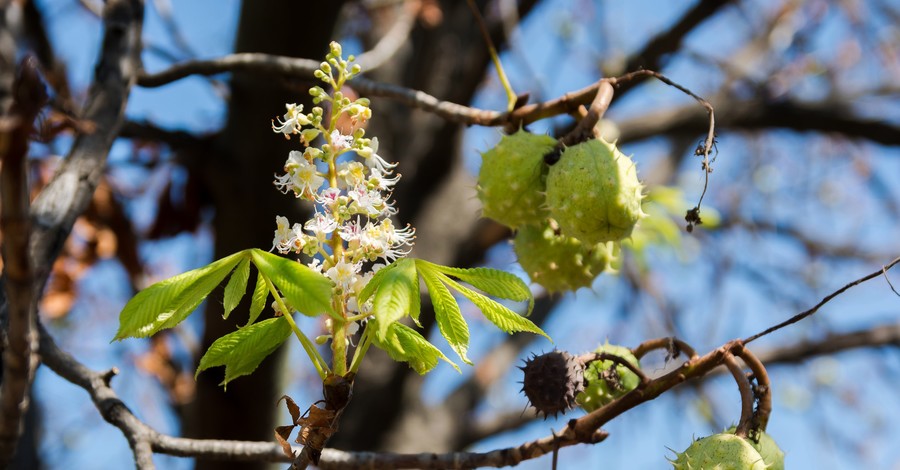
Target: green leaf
{"type": "Point", "coordinates": [237, 286]}
{"type": "Point", "coordinates": [447, 314]}
{"type": "Point", "coordinates": [415, 304]}
{"type": "Point", "coordinates": [395, 295]}
{"type": "Point", "coordinates": [242, 351]}
{"type": "Point", "coordinates": [405, 344]}
{"type": "Point", "coordinates": [376, 281]}
{"type": "Point", "coordinates": [493, 282]}
{"type": "Point", "coordinates": [168, 302]}
{"type": "Point", "coordinates": [258, 300]}
{"type": "Point", "coordinates": [499, 315]}
{"type": "Point", "coordinates": [308, 291]}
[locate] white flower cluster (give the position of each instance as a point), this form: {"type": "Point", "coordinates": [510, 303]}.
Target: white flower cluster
{"type": "Point", "coordinates": [351, 226]}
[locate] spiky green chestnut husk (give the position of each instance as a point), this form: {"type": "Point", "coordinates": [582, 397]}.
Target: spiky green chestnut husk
{"type": "Point", "coordinates": [720, 452]}
{"type": "Point", "coordinates": [557, 262]}
{"type": "Point", "coordinates": [594, 193]}
{"type": "Point", "coordinates": [771, 454]}
{"type": "Point", "coordinates": [552, 380]}
{"type": "Point", "coordinates": [511, 180]}
{"type": "Point", "coordinates": [602, 384]}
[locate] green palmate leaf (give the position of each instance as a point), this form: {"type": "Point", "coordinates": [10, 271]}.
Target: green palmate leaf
{"type": "Point", "coordinates": [415, 304]}
{"type": "Point", "coordinates": [167, 303]}
{"type": "Point", "coordinates": [490, 281]}
{"type": "Point", "coordinates": [242, 351]}
{"type": "Point", "coordinates": [258, 299]}
{"type": "Point", "coordinates": [502, 317]}
{"type": "Point", "coordinates": [449, 318]}
{"type": "Point", "coordinates": [395, 295]}
{"type": "Point", "coordinates": [306, 290]}
{"type": "Point", "coordinates": [237, 286]}
{"type": "Point", "coordinates": [405, 344]}
{"type": "Point", "coordinates": [376, 281]}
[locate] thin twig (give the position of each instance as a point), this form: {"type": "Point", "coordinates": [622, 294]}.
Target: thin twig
{"type": "Point", "coordinates": [804, 314]}
{"type": "Point", "coordinates": [763, 391]}
{"type": "Point", "coordinates": [492, 51]}
{"type": "Point", "coordinates": [592, 357]}
{"type": "Point", "coordinates": [303, 69]}
{"type": "Point", "coordinates": [391, 42]}
{"type": "Point", "coordinates": [672, 345]}
{"type": "Point", "coordinates": [746, 395]}
{"type": "Point", "coordinates": [693, 215]}
{"type": "Point", "coordinates": [888, 279]}
{"type": "Point", "coordinates": [585, 128]}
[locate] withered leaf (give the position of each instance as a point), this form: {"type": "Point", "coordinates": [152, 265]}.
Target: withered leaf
{"type": "Point", "coordinates": [317, 427]}
{"type": "Point", "coordinates": [292, 408]}
{"type": "Point", "coordinates": [282, 433]}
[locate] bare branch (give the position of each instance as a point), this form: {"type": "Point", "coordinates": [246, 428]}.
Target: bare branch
{"type": "Point", "coordinates": [882, 335]}
{"type": "Point", "coordinates": [19, 359]}
{"type": "Point", "coordinates": [140, 436]}
{"type": "Point", "coordinates": [586, 126]}
{"type": "Point", "coordinates": [759, 114]}
{"type": "Point", "coordinates": [173, 138]}
{"type": "Point", "coordinates": [340, 460]}
{"type": "Point", "coordinates": [746, 395]}
{"type": "Point", "coordinates": [69, 193]}
{"type": "Point", "coordinates": [391, 42]}
{"type": "Point", "coordinates": [673, 347]}
{"type": "Point", "coordinates": [650, 56]}
{"type": "Point", "coordinates": [240, 62]}
{"type": "Point", "coordinates": [762, 390]}
{"type": "Point", "coordinates": [814, 309]}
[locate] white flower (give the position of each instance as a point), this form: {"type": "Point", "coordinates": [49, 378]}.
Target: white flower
{"type": "Point", "coordinates": [340, 142]}
{"type": "Point", "coordinates": [298, 238]}
{"type": "Point", "coordinates": [373, 160]}
{"type": "Point", "coordinates": [321, 225]}
{"type": "Point", "coordinates": [382, 240]}
{"type": "Point", "coordinates": [292, 121]}
{"type": "Point", "coordinates": [283, 235]}
{"type": "Point", "coordinates": [330, 198]}
{"type": "Point", "coordinates": [378, 180]}
{"type": "Point", "coordinates": [350, 174]}
{"type": "Point", "coordinates": [351, 231]}
{"type": "Point", "coordinates": [343, 274]}
{"type": "Point", "coordinates": [302, 177]}
{"type": "Point", "coordinates": [370, 203]}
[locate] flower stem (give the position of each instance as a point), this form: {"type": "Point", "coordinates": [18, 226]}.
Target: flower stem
{"type": "Point", "coordinates": [360, 352]}
{"type": "Point", "coordinates": [308, 346]}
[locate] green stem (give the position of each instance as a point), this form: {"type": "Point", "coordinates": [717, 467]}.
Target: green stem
{"type": "Point", "coordinates": [361, 316]}
{"type": "Point", "coordinates": [510, 94]}
{"type": "Point", "coordinates": [360, 352]}
{"type": "Point", "coordinates": [308, 346]}
{"type": "Point", "coordinates": [339, 341]}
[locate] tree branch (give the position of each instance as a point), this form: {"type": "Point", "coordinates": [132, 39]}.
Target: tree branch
{"type": "Point", "coordinates": [19, 359]}
{"type": "Point", "coordinates": [173, 138]}
{"type": "Point", "coordinates": [759, 114]}
{"type": "Point", "coordinates": [650, 57]}
{"type": "Point", "coordinates": [66, 196]}
{"type": "Point", "coordinates": [143, 439]}
{"type": "Point", "coordinates": [829, 297]}
{"type": "Point", "coordinates": [882, 335]}
{"type": "Point", "coordinates": [391, 42]}
{"type": "Point", "coordinates": [54, 211]}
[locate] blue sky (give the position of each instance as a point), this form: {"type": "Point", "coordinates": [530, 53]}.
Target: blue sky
{"type": "Point", "coordinates": [821, 417]}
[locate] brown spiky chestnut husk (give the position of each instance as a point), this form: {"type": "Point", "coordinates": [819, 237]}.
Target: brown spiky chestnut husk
{"type": "Point", "coordinates": [552, 381]}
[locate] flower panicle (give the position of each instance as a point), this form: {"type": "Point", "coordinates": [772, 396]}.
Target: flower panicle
{"type": "Point", "coordinates": [350, 235]}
